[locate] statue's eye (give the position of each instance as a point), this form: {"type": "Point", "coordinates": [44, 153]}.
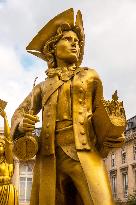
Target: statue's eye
{"type": "Point", "coordinates": [76, 40]}
{"type": "Point", "coordinates": [67, 38]}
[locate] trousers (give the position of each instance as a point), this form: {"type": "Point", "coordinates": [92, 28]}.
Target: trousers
{"type": "Point", "coordinates": [71, 184]}
{"type": "Point", "coordinates": [81, 176]}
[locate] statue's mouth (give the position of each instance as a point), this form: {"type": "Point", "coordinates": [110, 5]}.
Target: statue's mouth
{"type": "Point", "coordinates": [74, 50]}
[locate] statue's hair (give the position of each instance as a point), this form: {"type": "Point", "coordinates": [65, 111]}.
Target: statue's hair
{"type": "Point", "coordinates": [49, 47]}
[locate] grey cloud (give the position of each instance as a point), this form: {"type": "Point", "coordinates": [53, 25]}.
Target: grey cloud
{"type": "Point", "coordinates": [110, 37]}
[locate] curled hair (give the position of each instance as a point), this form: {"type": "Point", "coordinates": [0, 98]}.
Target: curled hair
{"type": "Point", "coordinates": [49, 47]}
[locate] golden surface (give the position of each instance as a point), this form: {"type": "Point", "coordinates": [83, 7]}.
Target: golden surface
{"type": "Point", "coordinates": [109, 122]}
{"type": "Point", "coordinates": [78, 126]}
{"type": "Point", "coordinates": [25, 147]}
{"type": "Point", "coordinates": [8, 193]}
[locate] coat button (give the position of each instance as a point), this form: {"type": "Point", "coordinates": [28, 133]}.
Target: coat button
{"type": "Point", "coordinates": [81, 89]}
{"type": "Point", "coordinates": [80, 100]}
{"type": "Point", "coordinates": [49, 103]}
{"type": "Point", "coordinates": [65, 116]}
{"type": "Point", "coordinates": [48, 114]}
{"type": "Point", "coordinates": [82, 132]}
{"type": "Point", "coordinates": [80, 111]}
{"type": "Point", "coordinates": [81, 122]}
{"type": "Point", "coordinates": [84, 142]}
{"type": "Point", "coordinates": [47, 125]}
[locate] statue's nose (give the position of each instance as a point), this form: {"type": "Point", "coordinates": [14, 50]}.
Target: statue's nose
{"type": "Point", "coordinates": [73, 43]}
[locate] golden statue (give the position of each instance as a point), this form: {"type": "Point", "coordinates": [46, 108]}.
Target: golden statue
{"type": "Point", "coordinates": [8, 193]}
{"type": "Point", "coordinates": [78, 129]}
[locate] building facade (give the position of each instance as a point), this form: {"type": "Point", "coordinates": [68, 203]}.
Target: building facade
{"type": "Point", "coordinates": [121, 164]}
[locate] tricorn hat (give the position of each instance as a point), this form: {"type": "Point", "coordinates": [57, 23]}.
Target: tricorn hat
{"type": "Point", "coordinates": [50, 29]}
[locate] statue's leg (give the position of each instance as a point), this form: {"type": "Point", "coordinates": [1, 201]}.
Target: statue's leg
{"type": "Point", "coordinates": [69, 175]}
{"type": "Point", "coordinates": [97, 177]}
{"type": "Point", "coordinates": [80, 182]}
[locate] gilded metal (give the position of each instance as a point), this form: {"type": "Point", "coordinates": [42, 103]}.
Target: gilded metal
{"type": "Point", "coordinates": [79, 127]}
{"type": "Point", "coordinates": [109, 122]}
{"type": "Point", "coordinates": [26, 147]}
{"type": "Point", "coordinates": [8, 193]}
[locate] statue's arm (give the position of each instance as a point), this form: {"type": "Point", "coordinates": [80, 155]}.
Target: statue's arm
{"type": "Point", "coordinates": [24, 108]}
{"type": "Point", "coordinates": [8, 140]}
{"type": "Point", "coordinates": [97, 92]}
{"type": "Point", "coordinates": [108, 140]}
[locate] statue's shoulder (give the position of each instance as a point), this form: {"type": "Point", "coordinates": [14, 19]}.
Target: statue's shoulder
{"type": "Point", "coordinates": [91, 72]}
{"type": "Point", "coordinates": [40, 86]}
{"type": "Point", "coordinates": [47, 83]}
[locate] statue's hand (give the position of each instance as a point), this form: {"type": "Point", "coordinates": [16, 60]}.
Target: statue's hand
{"type": "Point", "coordinates": [2, 113]}
{"type": "Point", "coordinates": [114, 141]}
{"type": "Point", "coordinates": [27, 124]}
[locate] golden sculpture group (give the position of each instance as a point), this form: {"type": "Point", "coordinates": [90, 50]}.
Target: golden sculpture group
{"type": "Point", "coordinates": [8, 193]}
{"type": "Point", "coordinates": [79, 127]}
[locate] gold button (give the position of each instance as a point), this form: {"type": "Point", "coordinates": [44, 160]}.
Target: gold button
{"type": "Point", "coordinates": [81, 89]}
{"type": "Point", "coordinates": [48, 114]}
{"type": "Point", "coordinates": [81, 122]}
{"type": "Point", "coordinates": [84, 142]}
{"type": "Point", "coordinates": [80, 111]}
{"type": "Point", "coordinates": [47, 125]}
{"type": "Point", "coordinates": [82, 132]}
{"type": "Point", "coordinates": [80, 100]}
{"type": "Point", "coordinates": [49, 103]}
{"type": "Point", "coordinates": [65, 117]}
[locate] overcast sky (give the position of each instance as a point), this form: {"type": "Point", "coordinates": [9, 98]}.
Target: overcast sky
{"type": "Point", "coordinates": [110, 48]}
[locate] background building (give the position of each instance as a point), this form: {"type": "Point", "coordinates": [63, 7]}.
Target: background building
{"type": "Point", "coordinates": [121, 164]}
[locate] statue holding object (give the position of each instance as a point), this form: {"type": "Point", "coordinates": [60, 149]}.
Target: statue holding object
{"type": "Point", "coordinates": [8, 192]}
{"type": "Point", "coordinates": [77, 130]}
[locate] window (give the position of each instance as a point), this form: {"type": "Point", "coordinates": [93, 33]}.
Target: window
{"type": "Point", "coordinates": [25, 189]}
{"type": "Point", "coordinates": [112, 160]}
{"type": "Point", "coordinates": [25, 169]}
{"type": "Point", "coordinates": [134, 152]}
{"type": "Point", "coordinates": [123, 154]}
{"type": "Point", "coordinates": [125, 184]}
{"type": "Point", "coordinates": [114, 184]}
{"type": "Point", "coordinates": [25, 183]}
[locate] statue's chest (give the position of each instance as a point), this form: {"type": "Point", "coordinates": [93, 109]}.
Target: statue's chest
{"type": "Point", "coordinates": [3, 169]}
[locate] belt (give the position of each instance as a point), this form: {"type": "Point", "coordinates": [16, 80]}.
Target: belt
{"type": "Point", "coordinates": [5, 182]}
{"type": "Point", "coordinates": [64, 134]}
{"type": "Point", "coordinates": [63, 125]}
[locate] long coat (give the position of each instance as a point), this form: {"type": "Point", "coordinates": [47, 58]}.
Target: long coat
{"type": "Point", "coordinates": [86, 94]}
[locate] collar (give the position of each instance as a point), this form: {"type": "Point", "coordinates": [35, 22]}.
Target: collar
{"type": "Point", "coordinates": [64, 73]}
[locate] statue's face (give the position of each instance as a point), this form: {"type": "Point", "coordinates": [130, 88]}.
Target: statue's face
{"type": "Point", "coordinates": [67, 48]}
